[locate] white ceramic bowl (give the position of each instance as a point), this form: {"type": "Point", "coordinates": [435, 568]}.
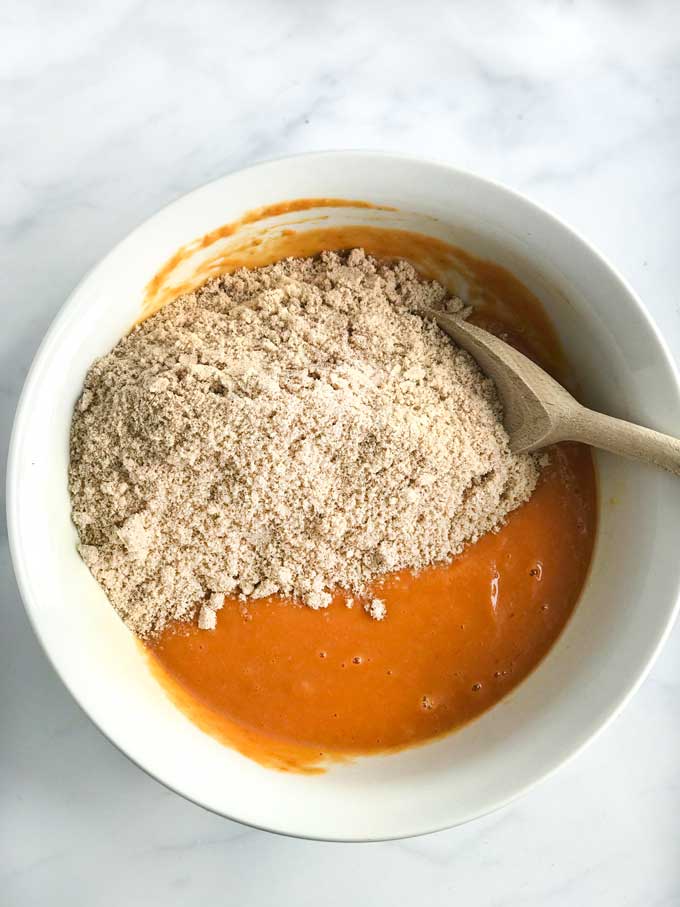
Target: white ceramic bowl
{"type": "Point", "coordinates": [619, 625]}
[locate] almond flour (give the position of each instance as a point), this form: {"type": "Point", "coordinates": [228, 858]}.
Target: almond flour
{"type": "Point", "coordinates": [290, 429]}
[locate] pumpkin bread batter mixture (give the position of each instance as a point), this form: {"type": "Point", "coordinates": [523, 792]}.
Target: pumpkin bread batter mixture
{"type": "Point", "coordinates": [302, 434]}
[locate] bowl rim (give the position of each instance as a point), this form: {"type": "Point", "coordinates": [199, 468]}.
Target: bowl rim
{"type": "Point", "coordinates": [22, 569]}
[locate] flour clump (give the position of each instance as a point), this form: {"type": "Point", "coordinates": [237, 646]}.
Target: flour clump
{"type": "Point", "coordinates": [290, 429]}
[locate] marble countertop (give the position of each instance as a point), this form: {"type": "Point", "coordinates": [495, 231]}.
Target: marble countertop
{"type": "Point", "coordinates": [109, 111]}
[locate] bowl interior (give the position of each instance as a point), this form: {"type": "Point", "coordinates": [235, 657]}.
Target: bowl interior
{"type": "Point", "coordinates": [625, 610]}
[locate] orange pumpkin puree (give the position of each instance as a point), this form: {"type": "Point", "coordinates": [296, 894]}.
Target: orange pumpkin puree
{"type": "Point", "coordinates": [294, 688]}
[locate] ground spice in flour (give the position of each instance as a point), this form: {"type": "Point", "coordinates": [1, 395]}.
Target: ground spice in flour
{"type": "Point", "coordinates": [288, 429]}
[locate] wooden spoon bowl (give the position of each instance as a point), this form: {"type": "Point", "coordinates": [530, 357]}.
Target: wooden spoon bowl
{"type": "Point", "coordinates": [538, 411]}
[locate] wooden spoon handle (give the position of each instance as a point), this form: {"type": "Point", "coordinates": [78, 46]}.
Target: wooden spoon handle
{"type": "Point", "coordinates": [625, 438]}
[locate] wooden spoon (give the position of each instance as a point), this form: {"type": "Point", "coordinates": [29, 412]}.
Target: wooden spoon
{"type": "Point", "coordinates": [539, 411]}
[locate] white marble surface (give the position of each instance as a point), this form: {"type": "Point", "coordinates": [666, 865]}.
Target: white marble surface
{"type": "Point", "coordinates": [109, 111]}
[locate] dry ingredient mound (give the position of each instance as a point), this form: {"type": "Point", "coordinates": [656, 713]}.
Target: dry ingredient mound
{"type": "Point", "coordinates": [288, 429]}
